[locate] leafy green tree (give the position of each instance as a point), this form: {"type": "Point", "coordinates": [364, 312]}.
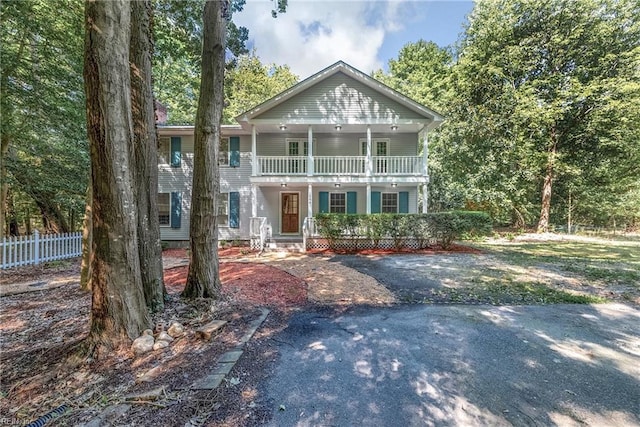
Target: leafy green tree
{"type": "Point", "coordinates": [44, 152]}
{"type": "Point", "coordinates": [177, 55]}
{"type": "Point", "coordinates": [421, 72]}
{"type": "Point", "coordinates": [250, 83]}
{"type": "Point", "coordinates": [541, 91]}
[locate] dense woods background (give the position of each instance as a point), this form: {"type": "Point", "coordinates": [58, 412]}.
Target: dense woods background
{"type": "Point", "coordinates": [542, 101]}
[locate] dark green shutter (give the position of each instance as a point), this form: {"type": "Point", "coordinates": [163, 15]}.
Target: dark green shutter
{"type": "Point", "coordinates": [375, 202]}
{"type": "Point", "coordinates": [234, 209]}
{"type": "Point", "coordinates": [176, 209]}
{"type": "Point", "coordinates": [403, 202]}
{"type": "Point", "coordinates": [352, 202]}
{"type": "Point", "coordinates": [234, 151]}
{"type": "Point", "coordinates": [176, 147]}
{"type": "Point", "coordinates": [324, 202]}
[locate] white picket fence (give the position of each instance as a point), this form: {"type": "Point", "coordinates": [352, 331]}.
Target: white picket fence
{"type": "Point", "coordinates": [37, 248]}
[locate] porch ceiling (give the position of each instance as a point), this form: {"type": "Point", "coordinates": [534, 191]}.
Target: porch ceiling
{"type": "Point", "coordinates": [359, 128]}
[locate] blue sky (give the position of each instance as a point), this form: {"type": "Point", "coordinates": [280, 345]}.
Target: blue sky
{"type": "Point", "coordinates": [365, 34]}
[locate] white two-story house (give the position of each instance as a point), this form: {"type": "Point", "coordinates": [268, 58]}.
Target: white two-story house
{"type": "Point", "coordinates": [339, 141]}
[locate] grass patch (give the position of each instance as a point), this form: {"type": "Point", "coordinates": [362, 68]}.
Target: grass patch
{"type": "Point", "coordinates": [518, 293]}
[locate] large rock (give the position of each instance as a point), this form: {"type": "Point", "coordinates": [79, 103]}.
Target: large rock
{"type": "Point", "coordinates": [160, 344]}
{"type": "Point", "coordinates": [143, 344]}
{"type": "Point", "coordinates": [176, 330]}
{"type": "Point", "coordinates": [163, 336]}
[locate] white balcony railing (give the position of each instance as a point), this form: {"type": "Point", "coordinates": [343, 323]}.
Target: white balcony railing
{"type": "Point", "coordinates": [340, 165]}
{"type": "Point", "coordinates": [334, 165]}
{"type": "Point", "coordinates": [282, 165]}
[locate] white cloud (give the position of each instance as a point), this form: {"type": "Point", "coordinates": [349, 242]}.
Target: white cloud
{"type": "Point", "coordinates": [312, 35]}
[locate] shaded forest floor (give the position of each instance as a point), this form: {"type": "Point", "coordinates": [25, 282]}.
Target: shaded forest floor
{"type": "Point", "coordinates": [41, 336]}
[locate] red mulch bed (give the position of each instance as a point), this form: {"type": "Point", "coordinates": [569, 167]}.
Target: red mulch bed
{"type": "Point", "coordinates": [249, 282]}
{"type": "Point", "coordinates": [454, 248]}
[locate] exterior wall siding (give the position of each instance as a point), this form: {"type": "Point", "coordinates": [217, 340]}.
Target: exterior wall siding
{"type": "Point", "coordinates": [179, 179]}
{"type": "Point", "coordinates": [237, 179]}
{"type": "Point", "coordinates": [344, 144]}
{"type": "Point", "coordinates": [337, 98]}
{"type": "Point", "coordinates": [361, 196]}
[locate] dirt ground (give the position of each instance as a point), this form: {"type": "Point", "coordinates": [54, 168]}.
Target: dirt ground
{"type": "Point", "coordinates": [42, 329]}
{"type": "Point", "coordinates": [44, 320]}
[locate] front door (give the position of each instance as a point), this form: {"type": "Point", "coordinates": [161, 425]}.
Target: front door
{"type": "Point", "coordinates": [290, 216]}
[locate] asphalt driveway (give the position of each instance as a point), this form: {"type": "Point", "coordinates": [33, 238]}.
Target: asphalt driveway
{"type": "Point", "coordinates": [416, 277]}
{"type": "Point", "coordinates": [459, 365]}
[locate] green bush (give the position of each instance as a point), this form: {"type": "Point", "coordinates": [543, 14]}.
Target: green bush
{"type": "Point", "coordinates": [440, 227]}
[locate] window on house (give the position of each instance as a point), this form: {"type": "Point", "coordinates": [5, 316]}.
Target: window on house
{"type": "Point", "coordinates": [223, 156]}
{"type": "Point", "coordinates": [164, 150]}
{"type": "Point", "coordinates": [389, 202]}
{"type": "Point", "coordinates": [297, 148]}
{"type": "Point", "coordinates": [223, 209]}
{"type": "Point", "coordinates": [338, 203]}
{"type": "Point", "coordinates": [164, 209]}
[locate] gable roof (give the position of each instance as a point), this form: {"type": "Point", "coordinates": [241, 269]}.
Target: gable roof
{"type": "Point", "coordinates": [394, 96]}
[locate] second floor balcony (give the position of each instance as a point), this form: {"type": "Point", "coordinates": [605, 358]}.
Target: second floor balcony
{"type": "Point", "coordinates": [340, 165]}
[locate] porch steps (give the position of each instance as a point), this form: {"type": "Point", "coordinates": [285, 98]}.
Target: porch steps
{"type": "Point", "coordinates": [289, 245]}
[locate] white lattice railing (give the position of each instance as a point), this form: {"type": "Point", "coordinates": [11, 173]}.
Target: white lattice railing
{"type": "Point", "coordinates": [38, 248]}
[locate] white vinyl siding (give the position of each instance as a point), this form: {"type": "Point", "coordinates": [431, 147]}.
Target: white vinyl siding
{"type": "Point", "coordinates": [343, 98]}
{"type": "Point", "coordinates": [179, 179]}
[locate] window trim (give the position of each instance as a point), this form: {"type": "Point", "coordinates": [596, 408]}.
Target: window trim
{"type": "Point", "coordinates": [298, 140]}
{"type": "Point", "coordinates": [164, 158]}
{"type": "Point", "coordinates": [373, 146]}
{"type": "Point", "coordinates": [168, 225]}
{"type": "Point", "coordinates": [226, 225]}
{"type": "Point", "coordinates": [228, 151]}
{"type": "Point", "coordinates": [382, 193]}
{"type": "Point", "coordinates": [344, 193]}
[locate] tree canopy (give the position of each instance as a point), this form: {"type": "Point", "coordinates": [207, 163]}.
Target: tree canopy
{"type": "Point", "coordinates": [542, 110]}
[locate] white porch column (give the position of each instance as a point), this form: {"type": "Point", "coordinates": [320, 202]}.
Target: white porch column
{"type": "Point", "coordinates": [254, 200]}
{"type": "Point", "coordinates": [309, 200]}
{"type": "Point", "coordinates": [425, 172]}
{"type": "Point", "coordinates": [369, 160]}
{"type": "Point", "coordinates": [368, 199]}
{"type": "Point", "coordinates": [254, 152]}
{"type": "Point", "coordinates": [425, 197]}
{"type": "Point", "coordinates": [310, 151]}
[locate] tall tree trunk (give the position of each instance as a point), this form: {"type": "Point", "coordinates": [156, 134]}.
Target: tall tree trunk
{"type": "Point", "coordinates": [118, 310]}
{"type": "Point", "coordinates": [543, 222]}
{"type": "Point", "coordinates": [145, 153]}
{"type": "Point", "coordinates": [4, 186]}
{"type": "Point", "coordinates": [203, 279]}
{"type": "Point", "coordinates": [52, 217]}
{"type": "Point", "coordinates": [87, 237]}
{"type": "Point", "coordinates": [12, 220]}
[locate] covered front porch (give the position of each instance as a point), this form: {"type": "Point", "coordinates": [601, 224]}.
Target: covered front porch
{"type": "Point", "coordinates": [284, 210]}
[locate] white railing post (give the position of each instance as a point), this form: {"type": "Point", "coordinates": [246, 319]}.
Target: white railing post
{"type": "Point", "coordinates": [36, 247]}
